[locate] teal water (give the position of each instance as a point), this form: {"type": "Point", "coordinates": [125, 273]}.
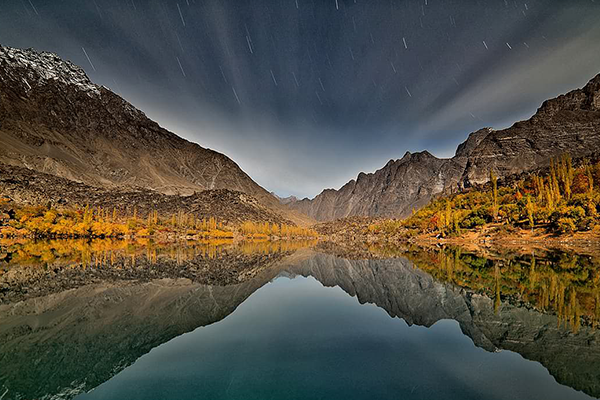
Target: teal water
{"type": "Point", "coordinates": [297, 339]}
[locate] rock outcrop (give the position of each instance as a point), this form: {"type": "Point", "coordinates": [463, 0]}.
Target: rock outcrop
{"type": "Point", "coordinates": [567, 124]}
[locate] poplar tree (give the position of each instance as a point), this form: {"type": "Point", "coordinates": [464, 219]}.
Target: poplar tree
{"type": "Point", "coordinates": [494, 181]}
{"type": "Point", "coordinates": [530, 210]}
{"type": "Point", "coordinates": [590, 177]}
{"type": "Point", "coordinates": [448, 216]}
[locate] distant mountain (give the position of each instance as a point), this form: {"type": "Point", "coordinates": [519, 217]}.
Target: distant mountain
{"type": "Point", "coordinates": [53, 119]}
{"type": "Point", "coordinates": [394, 190]}
{"type": "Point", "coordinates": [285, 200]}
{"type": "Point", "coordinates": [567, 124]}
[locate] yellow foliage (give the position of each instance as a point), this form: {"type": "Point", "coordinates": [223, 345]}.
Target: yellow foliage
{"type": "Point", "coordinates": [99, 223]}
{"type": "Point", "coordinates": [142, 232]}
{"type": "Point", "coordinates": [266, 230]}
{"type": "Point", "coordinates": [564, 200]}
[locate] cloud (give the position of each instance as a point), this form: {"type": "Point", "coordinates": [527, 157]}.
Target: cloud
{"type": "Point", "coordinates": [517, 84]}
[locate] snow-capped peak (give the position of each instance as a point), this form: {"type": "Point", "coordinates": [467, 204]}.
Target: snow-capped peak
{"type": "Point", "coordinates": [41, 67]}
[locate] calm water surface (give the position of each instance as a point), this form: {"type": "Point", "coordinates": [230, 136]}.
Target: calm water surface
{"type": "Point", "coordinates": [309, 326]}
{"type": "Point", "coordinates": [295, 339]}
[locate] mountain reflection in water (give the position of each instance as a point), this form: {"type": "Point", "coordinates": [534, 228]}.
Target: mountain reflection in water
{"type": "Point", "coordinates": [305, 337]}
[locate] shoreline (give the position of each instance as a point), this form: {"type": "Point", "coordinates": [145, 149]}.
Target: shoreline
{"type": "Point", "coordinates": [489, 237]}
{"type": "Point", "coordinates": [520, 240]}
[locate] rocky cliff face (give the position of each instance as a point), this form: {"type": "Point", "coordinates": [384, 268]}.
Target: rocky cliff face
{"type": "Point", "coordinates": [567, 124]}
{"type": "Point", "coordinates": [393, 191]}
{"type": "Point", "coordinates": [53, 119]}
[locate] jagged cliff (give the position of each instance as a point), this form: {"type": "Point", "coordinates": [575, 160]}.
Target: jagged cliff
{"type": "Point", "coordinates": [53, 119]}
{"type": "Point", "coordinates": [394, 190]}
{"type": "Point", "coordinates": [567, 124]}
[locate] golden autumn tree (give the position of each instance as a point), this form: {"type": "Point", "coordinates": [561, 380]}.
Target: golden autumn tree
{"type": "Point", "coordinates": [530, 212]}
{"type": "Point", "coordinates": [494, 181]}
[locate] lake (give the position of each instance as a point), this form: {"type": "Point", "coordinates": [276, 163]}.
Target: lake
{"type": "Point", "coordinates": [296, 320]}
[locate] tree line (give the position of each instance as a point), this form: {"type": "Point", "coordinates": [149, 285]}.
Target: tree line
{"type": "Point", "coordinates": [565, 199]}
{"type": "Point", "coordinates": [91, 222]}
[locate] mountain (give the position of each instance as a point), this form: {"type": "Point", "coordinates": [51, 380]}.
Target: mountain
{"type": "Point", "coordinates": [54, 120]}
{"type": "Point", "coordinates": [394, 190]}
{"type": "Point", "coordinates": [26, 186]}
{"type": "Point", "coordinates": [569, 124]}
{"type": "Point", "coordinates": [285, 200]}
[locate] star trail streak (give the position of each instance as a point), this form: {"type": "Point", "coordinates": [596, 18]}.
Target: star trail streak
{"type": "Point", "coordinates": [320, 89]}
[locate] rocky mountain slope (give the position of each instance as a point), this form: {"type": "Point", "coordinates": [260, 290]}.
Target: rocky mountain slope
{"type": "Point", "coordinates": [285, 200]}
{"type": "Point", "coordinates": [53, 119]}
{"type": "Point", "coordinates": [25, 186]}
{"type": "Point", "coordinates": [393, 191]}
{"type": "Point", "coordinates": [567, 124]}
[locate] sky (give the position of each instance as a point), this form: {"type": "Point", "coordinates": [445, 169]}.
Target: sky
{"type": "Point", "coordinates": [305, 94]}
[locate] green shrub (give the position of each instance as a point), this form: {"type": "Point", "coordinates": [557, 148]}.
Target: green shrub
{"type": "Point", "coordinates": [472, 221]}
{"type": "Point", "coordinates": [576, 213]}
{"type": "Point", "coordinates": [566, 225]}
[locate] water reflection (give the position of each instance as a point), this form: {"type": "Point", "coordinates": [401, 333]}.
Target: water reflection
{"type": "Point", "coordinates": [83, 252]}
{"type": "Point", "coordinates": [30, 269]}
{"type": "Point", "coordinates": [564, 284]}
{"type": "Point", "coordinates": [295, 339]}
{"type": "Point", "coordinates": [529, 304]}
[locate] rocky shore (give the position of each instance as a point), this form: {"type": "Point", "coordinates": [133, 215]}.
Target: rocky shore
{"type": "Point", "coordinates": [354, 234]}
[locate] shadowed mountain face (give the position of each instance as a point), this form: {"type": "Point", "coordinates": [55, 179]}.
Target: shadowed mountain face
{"type": "Point", "coordinates": [567, 124]}
{"type": "Point", "coordinates": [53, 119]}
{"type": "Point", "coordinates": [94, 332]}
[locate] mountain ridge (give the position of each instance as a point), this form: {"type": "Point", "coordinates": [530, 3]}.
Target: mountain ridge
{"type": "Point", "coordinates": [54, 120]}
{"type": "Point", "coordinates": [569, 123]}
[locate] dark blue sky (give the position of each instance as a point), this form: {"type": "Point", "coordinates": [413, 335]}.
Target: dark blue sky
{"type": "Point", "coordinates": [304, 94]}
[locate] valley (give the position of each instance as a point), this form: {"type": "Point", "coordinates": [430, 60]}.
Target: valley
{"type": "Point", "coordinates": [81, 154]}
{"type": "Point", "coordinates": [299, 200]}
